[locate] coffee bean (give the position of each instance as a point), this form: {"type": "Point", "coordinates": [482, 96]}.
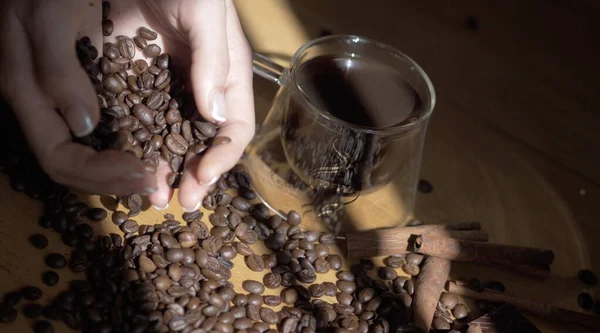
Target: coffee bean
{"type": "Point", "coordinates": [31, 293]}
{"type": "Point", "coordinates": [126, 47]}
{"type": "Point", "coordinates": [272, 280]}
{"type": "Point", "coordinates": [460, 311]}
{"type": "Point", "coordinates": [12, 298]}
{"type": "Point", "coordinates": [163, 62]}
{"type": "Point", "coordinates": [220, 140]}
{"type": "Point", "coordinates": [394, 261]}
{"type": "Point", "coordinates": [269, 316]}
{"type": "Point", "coordinates": [152, 51]}
{"type": "Point", "coordinates": [38, 241]}
{"type": "Point", "coordinates": [241, 204]}
{"type": "Point", "coordinates": [335, 261]}
{"type": "Point", "coordinates": [113, 84]}
{"type": "Point", "coordinates": [345, 276]}
{"type": "Point", "coordinates": [243, 249]}
{"type": "Point", "coordinates": [43, 326]}
{"type": "Point", "coordinates": [107, 27]}
{"type": "Point", "coordinates": [440, 324]}
{"type": "Point", "coordinates": [130, 226]}
{"type": "Point", "coordinates": [410, 269]}
{"type": "Point", "coordinates": [253, 287]}
{"type": "Point", "coordinates": [176, 143]}
{"type": "Point", "coordinates": [387, 273]}
{"type": "Point", "coordinates": [289, 325]}
{"type": "Point", "coordinates": [50, 278]}
{"type": "Point", "coordinates": [476, 285]}
{"type": "Point", "coordinates": [207, 129]}
{"type": "Point", "coordinates": [585, 301]}
{"type": "Point", "coordinates": [327, 238]}
{"type": "Point", "coordinates": [409, 286]}
{"type": "Point", "coordinates": [587, 276]}
{"type": "Point", "coordinates": [414, 258]}
{"type": "Point", "coordinates": [347, 286]}
{"type": "Point", "coordinates": [306, 276]}
{"type": "Point", "coordinates": [32, 310]}
{"type": "Point", "coordinates": [255, 263]}
{"type": "Point", "coordinates": [141, 43]}
{"type": "Point", "coordinates": [321, 250]}
{"type": "Point", "coordinates": [56, 260]}
{"type": "Point", "coordinates": [289, 295]}
{"type": "Point", "coordinates": [96, 214]}
{"type": "Point", "coordinates": [147, 33]}
{"type": "Point", "coordinates": [424, 186]}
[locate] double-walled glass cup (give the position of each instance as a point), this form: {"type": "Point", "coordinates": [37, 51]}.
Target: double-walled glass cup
{"type": "Point", "coordinates": [343, 139]}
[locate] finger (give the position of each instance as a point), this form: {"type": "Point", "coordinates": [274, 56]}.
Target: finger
{"type": "Point", "coordinates": [191, 191]}
{"type": "Point", "coordinates": [52, 30]}
{"type": "Point", "coordinates": [240, 104]}
{"type": "Point", "coordinates": [64, 161]}
{"type": "Point", "coordinates": [210, 59]}
{"type": "Point", "coordinates": [160, 199]}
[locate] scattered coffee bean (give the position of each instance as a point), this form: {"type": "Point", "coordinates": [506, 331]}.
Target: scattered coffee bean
{"type": "Point", "coordinates": [587, 276]}
{"type": "Point", "coordinates": [31, 293]}
{"type": "Point", "coordinates": [255, 263]}
{"type": "Point", "coordinates": [460, 311]}
{"type": "Point", "coordinates": [440, 324]}
{"type": "Point", "coordinates": [50, 278]}
{"type": "Point", "coordinates": [253, 287]}
{"type": "Point", "coordinates": [448, 300]}
{"type": "Point", "coordinates": [56, 260]}
{"type": "Point", "coordinates": [152, 50]}
{"type": "Point", "coordinates": [585, 301]}
{"type": "Point", "coordinates": [272, 280]}
{"type": "Point", "coordinates": [387, 273]}
{"type": "Point", "coordinates": [425, 186]}
{"type": "Point", "coordinates": [38, 241]}
{"type": "Point", "coordinates": [411, 269]}
{"type": "Point", "coordinates": [272, 300]}
{"type": "Point", "coordinates": [395, 261]}
{"type": "Point", "coordinates": [147, 33]}
{"type": "Point", "coordinates": [12, 298]}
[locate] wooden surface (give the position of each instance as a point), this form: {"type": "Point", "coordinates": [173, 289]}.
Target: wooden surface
{"type": "Point", "coordinates": [512, 141]}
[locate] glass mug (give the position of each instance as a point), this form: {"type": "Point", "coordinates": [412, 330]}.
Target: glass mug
{"type": "Point", "coordinates": [343, 139]}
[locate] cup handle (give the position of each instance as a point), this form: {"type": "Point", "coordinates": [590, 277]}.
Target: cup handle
{"type": "Point", "coordinates": [268, 69]}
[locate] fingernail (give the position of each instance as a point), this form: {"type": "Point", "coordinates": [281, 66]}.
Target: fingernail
{"type": "Point", "coordinates": [161, 208]}
{"type": "Point", "coordinates": [149, 190]}
{"type": "Point", "coordinates": [192, 210]}
{"type": "Point", "coordinates": [217, 106]}
{"type": "Point", "coordinates": [212, 181]}
{"type": "Point", "coordinates": [81, 123]}
{"type": "Point", "coordinates": [133, 176]}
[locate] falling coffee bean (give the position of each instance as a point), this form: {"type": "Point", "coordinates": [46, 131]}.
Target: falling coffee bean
{"type": "Point", "coordinates": [38, 241]}
{"type": "Point", "coordinates": [56, 260]}
{"type": "Point", "coordinates": [50, 278]}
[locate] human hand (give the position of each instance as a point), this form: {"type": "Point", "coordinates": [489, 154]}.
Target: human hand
{"type": "Point", "coordinates": [204, 36]}
{"type": "Point", "coordinates": [51, 95]}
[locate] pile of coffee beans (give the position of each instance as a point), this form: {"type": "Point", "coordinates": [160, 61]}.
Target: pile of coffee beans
{"type": "Point", "coordinates": [144, 110]}
{"type": "Point", "coordinates": [449, 313]}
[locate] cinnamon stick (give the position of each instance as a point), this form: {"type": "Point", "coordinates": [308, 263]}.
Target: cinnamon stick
{"type": "Point", "coordinates": [380, 242]}
{"type": "Point", "coordinates": [430, 284]}
{"type": "Point", "coordinates": [469, 251]}
{"type": "Point", "coordinates": [544, 311]}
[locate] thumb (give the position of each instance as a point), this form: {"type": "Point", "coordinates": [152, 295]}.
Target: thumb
{"type": "Point", "coordinates": [53, 34]}
{"type": "Point", "coordinates": [210, 57]}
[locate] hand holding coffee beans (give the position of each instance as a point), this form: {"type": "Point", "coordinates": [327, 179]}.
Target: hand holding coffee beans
{"type": "Point", "coordinates": [58, 102]}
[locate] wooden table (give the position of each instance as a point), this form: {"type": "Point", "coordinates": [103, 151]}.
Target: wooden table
{"type": "Point", "coordinates": [512, 141]}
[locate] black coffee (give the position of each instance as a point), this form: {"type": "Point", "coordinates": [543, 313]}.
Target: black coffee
{"type": "Point", "coordinates": [358, 91]}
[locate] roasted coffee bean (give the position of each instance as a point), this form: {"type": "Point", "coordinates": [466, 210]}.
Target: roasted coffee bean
{"type": "Point", "coordinates": [440, 324]}
{"type": "Point", "coordinates": [322, 266]}
{"type": "Point", "coordinates": [306, 276]}
{"type": "Point", "coordinates": [241, 204]}
{"type": "Point", "coordinates": [327, 238]}
{"type": "Point", "coordinates": [147, 33]}
{"type": "Point", "coordinates": [398, 284]}
{"type": "Point", "coordinates": [316, 290]}
{"type": "Point", "coordinates": [163, 61]}
{"type": "Point", "coordinates": [460, 311]}
{"type": "Point", "coordinates": [587, 276]}
{"type": "Point", "coordinates": [50, 278]}
{"type": "Point", "coordinates": [243, 248]}
{"type": "Point", "coordinates": [424, 186]}
{"type": "Point", "coordinates": [152, 51]}
{"type": "Point", "coordinates": [584, 300]}
{"type": "Point", "coordinates": [38, 241]}
{"type": "Point", "coordinates": [394, 261]}
{"type": "Point", "coordinates": [107, 27]}
{"type": "Point", "coordinates": [275, 241]}
{"type": "Point", "coordinates": [387, 273]}
{"type": "Point", "coordinates": [141, 43]}
{"type": "Point", "coordinates": [345, 276]}
{"type": "Point", "coordinates": [272, 280]}
{"type": "Point", "coordinates": [56, 260]}
{"type": "Point", "coordinates": [335, 261]}
{"type": "Point", "coordinates": [410, 269]}
{"type": "Point", "coordinates": [33, 310]}
{"type": "Point", "coordinates": [321, 250]}
{"type": "Point", "coordinates": [126, 47]}
{"type": "Point", "coordinates": [31, 293]}
{"type": "Point", "coordinates": [366, 294]}
{"type": "Point", "coordinates": [176, 143]}
{"type": "Point", "coordinates": [414, 258]}
{"type": "Point", "coordinates": [346, 286]}
{"type": "Point", "coordinates": [269, 316]}
{"type": "Point", "coordinates": [330, 288]}
{"type": "Point", "coordinates": [255, 262]}
{"type": "Point", "coordinates": [96, 214]}
{"type": "Point", "coordinates": [43, 326]}
{"type": "Point", "coordinates": [409, 286]}
{"type": "Point", "coordinates": [130, 226]}
{"type": "Point", "coordinates": [12, 298]}
{"type": "Point", "coordinates": [289, 295]}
